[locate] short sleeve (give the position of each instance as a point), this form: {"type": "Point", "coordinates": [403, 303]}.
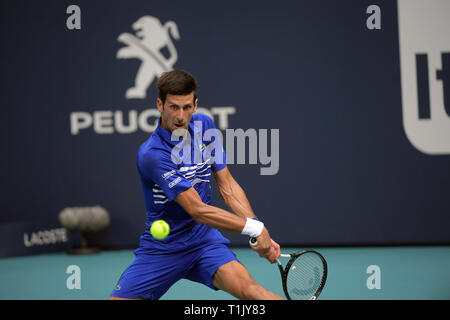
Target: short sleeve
{"type": "Point", "coordinates": [157, 166]}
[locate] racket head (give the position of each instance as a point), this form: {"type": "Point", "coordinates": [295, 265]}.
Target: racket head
{"type": "Point", "coordinates": [305, 275]}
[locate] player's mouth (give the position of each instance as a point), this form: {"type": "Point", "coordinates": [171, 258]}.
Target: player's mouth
{"type": "Point", "coordinates": [178, 126]}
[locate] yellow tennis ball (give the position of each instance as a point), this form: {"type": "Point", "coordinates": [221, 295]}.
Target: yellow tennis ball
{"type": "Point", "coordinates": [160, 229]}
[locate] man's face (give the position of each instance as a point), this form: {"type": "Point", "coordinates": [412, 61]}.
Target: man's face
{"type": "Point", "coordinates": [177, 111]}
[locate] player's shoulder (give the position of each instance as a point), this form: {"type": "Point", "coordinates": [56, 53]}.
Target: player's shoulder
{"type": "Point", "coordinates": [152, 150]}
{"type": "Point", "coordinates": [206, 120]}
{"type": "Point", "coordinates": [202, 117]}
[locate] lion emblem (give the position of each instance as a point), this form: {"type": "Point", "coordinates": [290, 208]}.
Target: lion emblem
{"type": "Point", "coordinates": [151, 36]}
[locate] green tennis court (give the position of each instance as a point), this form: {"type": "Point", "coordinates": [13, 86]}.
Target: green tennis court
{"type": "Point", "coordinates": [404, 273]}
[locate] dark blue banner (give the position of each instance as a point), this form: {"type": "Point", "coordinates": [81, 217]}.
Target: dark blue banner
{"type": "Point", "coordinates": [344, 106]}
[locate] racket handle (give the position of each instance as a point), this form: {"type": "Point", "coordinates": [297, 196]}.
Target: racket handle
{"type": "Point", "coordinates": [253, 242]}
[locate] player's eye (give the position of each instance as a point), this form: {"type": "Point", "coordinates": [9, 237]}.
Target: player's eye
{"type": "Point", "coordinates": [187, 107]}
{"type": "Point", "coordinates": [174, 107]}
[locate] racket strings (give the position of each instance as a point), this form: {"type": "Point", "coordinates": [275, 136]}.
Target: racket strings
{"type": "Point", "coordinates": [305, 276]}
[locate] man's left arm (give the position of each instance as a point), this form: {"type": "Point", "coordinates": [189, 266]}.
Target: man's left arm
{"type": "Point", "coordinates": [233, 195]}
{"type": "Point", "coordinates": [236, 200]}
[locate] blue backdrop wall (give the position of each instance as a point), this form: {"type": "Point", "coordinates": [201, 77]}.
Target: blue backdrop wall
{"type": "Point", "coordinates": [334, 77]}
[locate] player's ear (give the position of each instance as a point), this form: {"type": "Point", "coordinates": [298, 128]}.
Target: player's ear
{"type": "Point", "coordinates": [195, 104]}
{"type": "Point", "coordinates": [159, 104]}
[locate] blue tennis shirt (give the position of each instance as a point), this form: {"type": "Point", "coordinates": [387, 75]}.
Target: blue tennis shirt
{"type": "Point", "coordinates": [166, 169]}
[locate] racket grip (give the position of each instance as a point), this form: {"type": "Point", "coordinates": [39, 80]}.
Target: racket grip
{"type": "Point", "coordinates": [253, 242]}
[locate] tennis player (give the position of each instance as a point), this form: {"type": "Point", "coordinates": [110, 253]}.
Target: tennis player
{"type": "Point", "coordinates": [179, 192]}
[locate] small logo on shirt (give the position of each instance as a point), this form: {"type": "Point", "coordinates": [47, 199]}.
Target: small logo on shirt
{"type": "Point", "coordinates": [174, 182]}
{"type": "Point", "coordinates": [117, 288]}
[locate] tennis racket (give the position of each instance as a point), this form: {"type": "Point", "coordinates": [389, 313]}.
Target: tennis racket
{"type": "Point", "coordinates": [304, 276]}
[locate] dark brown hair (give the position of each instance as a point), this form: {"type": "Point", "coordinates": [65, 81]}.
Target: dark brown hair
{"type": "Point", "coordinates": [176, 82]}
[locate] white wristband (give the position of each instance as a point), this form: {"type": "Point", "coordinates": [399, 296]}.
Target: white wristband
{"type": "Point", "coordinates": [253, 228]}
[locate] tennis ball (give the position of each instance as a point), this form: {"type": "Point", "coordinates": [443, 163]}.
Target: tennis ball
{"type": "Point", "coordinates": [160, 229]}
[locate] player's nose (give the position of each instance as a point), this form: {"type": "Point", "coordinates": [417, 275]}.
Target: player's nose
{"type": "Point", "coordinates": [180, 115]}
